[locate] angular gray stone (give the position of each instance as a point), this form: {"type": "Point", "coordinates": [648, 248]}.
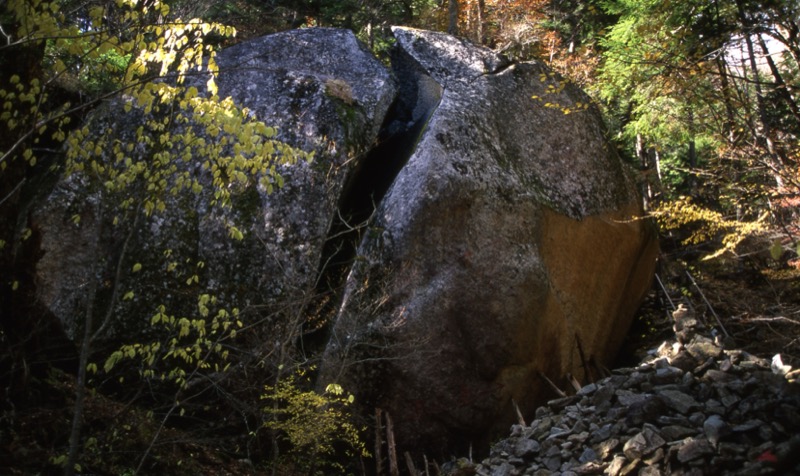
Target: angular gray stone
{"type": "Point", "coordinates": [588, 389]}
{"type": "Point", "coordinates": [630, 467]}
{"type": "Point", "coordinates": [603, 395]}
{"type": "Point", "coordinates": [603, 433]}
{"type": "Point", "coordinates": [587, 455]}
{"type": "Point", "coordinates": [655, 457]}
{"type": "Point", "coordinates": [627, 398]}
{"type": "Point", "coordinates": [694, 448]}
{"type": "Point", "coordinates": [683, 361]}
{"type": "Point", "coordinates": [592, 467]}
{"type": "Point", "coordinates": [667, 375]}
{"type": "Point", "coordinates": [644, 411]}
{"type": "Point", "coordinates": [650, 471]}
{"type": "Point", "coordinates": [604, 448]}
{"type": "Point", "coordinates": [503, 469]}
{"type": "Point", "coordinates": [677, 432]}
{"type": "Point", "coordinates": [715, 428]}
{"type": "Point", "coordinates": [527, 446]}
{"type": "Point", "coordinates": [677, 400]}
{"type": "Point", "coordinates": [718, 376]}
{"type": "Point", "coordinates": [642, 444]}
{"type": "Point", "coordinates": [553, 463]}
{"type": "Point", "coordinates": [703, 348]}
{"type": "Point", "coordinates": [616, 465]}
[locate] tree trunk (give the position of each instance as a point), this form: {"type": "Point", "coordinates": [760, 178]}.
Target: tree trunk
{"type": "Point", "coordinates": [80, 383]}
{"type": "Point", "coordinates": [782, 88]}
{"type": "Point", "coordinates": [452, 15]}
{"type": "Point", "coordinates": [378, 442]}
{"type": "Point", "coordinates": [394, 470]}
{"type": "Point", "coordinates": [90, 335]}
{"type": "Point", "coordinates": [370, 35]}
{"type": "Point", "coordinates": [730, 115]}
{"type": "Point", "coordinates": [650, 171]}
{"type": "Point", "coordinates": [481, 33]}
{"type": "Point", "coordinates": [641, 153]}
{"type": "Point", "coordinates": [789, 34]}
{"type": "Point", "coordinates": [692, 156]}
{"type": "Point", "coordinates": [83, 359]}
{"type": "Point", "coordinates": [765, 135]}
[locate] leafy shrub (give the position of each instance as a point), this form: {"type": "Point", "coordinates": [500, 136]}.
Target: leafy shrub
{"type": "Point", "coordinates": [316, 426]}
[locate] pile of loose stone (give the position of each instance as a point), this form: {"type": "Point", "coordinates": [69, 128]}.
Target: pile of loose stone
{"type": "Point", "coordinates": [691, 408]}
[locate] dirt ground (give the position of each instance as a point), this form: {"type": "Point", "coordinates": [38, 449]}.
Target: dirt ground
{"type": "Point", "coordinates": [755, 301]}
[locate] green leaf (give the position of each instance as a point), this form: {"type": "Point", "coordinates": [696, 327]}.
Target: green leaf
{"type": "Point", "coordinates": [776, 250]}
{"type": "Point", "coordinates": [235, 233]}
{"type": "Point", "coordinates": [112, 361]}
{"type": "Point", "coordinates": [334, 388]}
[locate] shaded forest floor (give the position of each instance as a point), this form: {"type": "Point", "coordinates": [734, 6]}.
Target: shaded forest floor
{"type": "Point", "coordinates": [117, 436]}
{"type": "Point", "coordinates": [757, 302]}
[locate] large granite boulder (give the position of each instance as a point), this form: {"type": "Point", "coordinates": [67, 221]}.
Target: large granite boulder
{"type": "Point", "coordinates": [326, 94]}
{"type": "Point", "coordinates": [507, 249]}
{"type": "Point", "coordinates": [499, 233]}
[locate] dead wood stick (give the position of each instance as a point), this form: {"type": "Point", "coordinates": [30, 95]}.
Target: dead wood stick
{"type": "Point", "coordinates": [412, 470]}
{"type": "Point", "coordinates": [552, 385]}
{"type": "Point", "coordinates": [772, 319]}
{"type": "Point", "coordinates": [519, 413]}
{"type": "Point", "coordinates": [601, 369]}
{"type": "Point", "coordinates": [663, 288]}
{"type": "Point", "coordinates": [574, 382]}
{"type": "Point", "coordinates": [378, 442]}
{"type": "Point", "coordinates": [583, 358]}
{"type": "Point", "coordinates": [710, 308]}
{"type": "Point", "coordinates": [394, 470]}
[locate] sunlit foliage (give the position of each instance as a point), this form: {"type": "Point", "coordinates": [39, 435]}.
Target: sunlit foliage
{"type": "Point", "coordinates": [315, 424]}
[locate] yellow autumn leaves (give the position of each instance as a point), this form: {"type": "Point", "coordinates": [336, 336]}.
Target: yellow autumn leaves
{"type": "Point", "coordinates": [144, 46]}
{"type": "Point", "coordinates": [555, 88]}
{"type": "Point", "coordinates": [676, 214]}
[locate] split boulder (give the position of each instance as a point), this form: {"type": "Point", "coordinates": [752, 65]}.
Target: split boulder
{"type": "Point", "coordinates": [509, 248]}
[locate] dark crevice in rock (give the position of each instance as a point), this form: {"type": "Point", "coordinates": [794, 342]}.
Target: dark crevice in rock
{"type": "Point", "coordinates": [503, 64]}
{"type": "Point", "coordinates": [417, 99]}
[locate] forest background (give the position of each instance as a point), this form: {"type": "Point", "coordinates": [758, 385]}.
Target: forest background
{"type": "Point", "coordinates": [700, 97]}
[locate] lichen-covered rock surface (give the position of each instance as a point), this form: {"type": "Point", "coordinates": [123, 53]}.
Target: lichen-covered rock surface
{"type": "Point", "coordinates": [326, 94]}
{"type": "Point", "coordinates": [508, 244]}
